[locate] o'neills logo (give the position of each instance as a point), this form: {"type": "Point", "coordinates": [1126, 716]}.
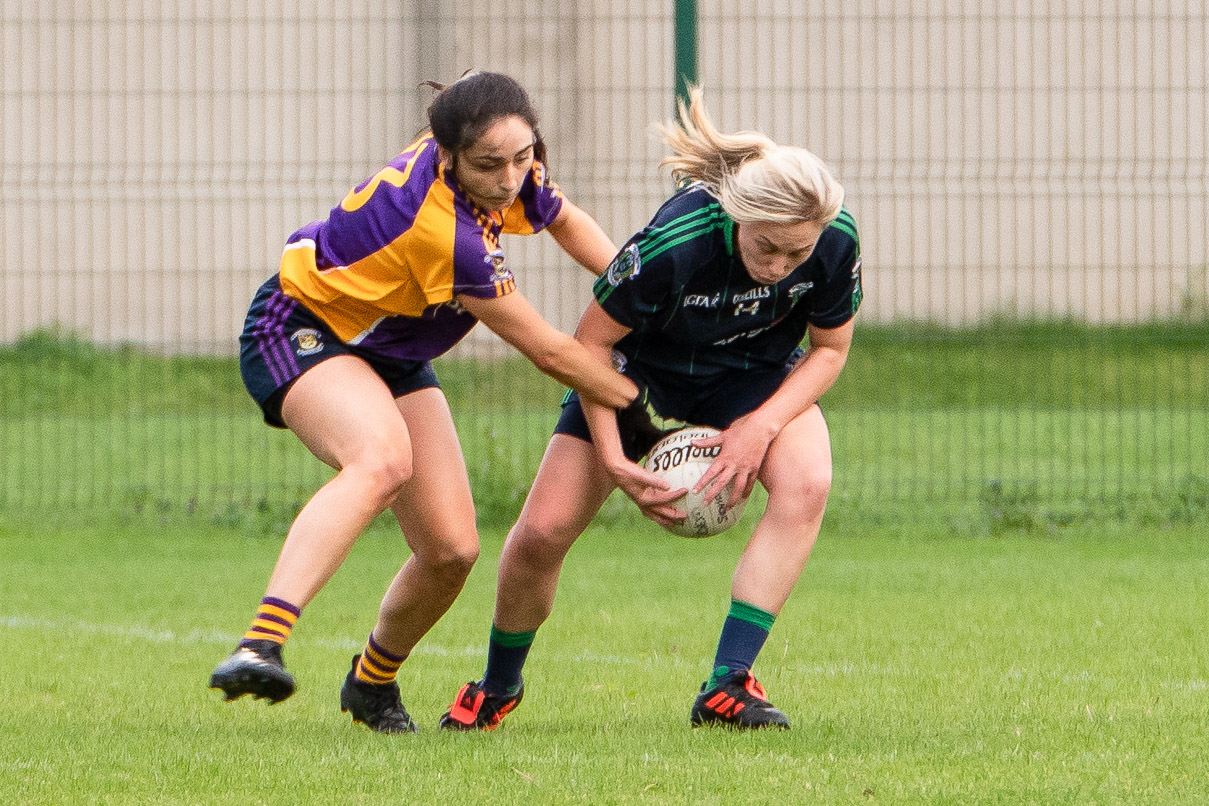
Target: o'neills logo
{"type": "Point", "coordinates": [762, 292]}
{"type": "Point", "coordinates": [674, 457]}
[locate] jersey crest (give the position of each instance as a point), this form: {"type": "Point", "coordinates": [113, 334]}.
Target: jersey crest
{"type": "Point", "coordinates": [627, 264]}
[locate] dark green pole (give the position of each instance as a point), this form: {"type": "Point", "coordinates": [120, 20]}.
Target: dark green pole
{"type": "Point", "coordinates": [686, 47]}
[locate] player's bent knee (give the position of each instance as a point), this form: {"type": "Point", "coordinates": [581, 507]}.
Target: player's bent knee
{"type": "Point", "coordinates": [819, 483]}
{"type": "Point", "coordinates": [540, 542]}
{"type": "Point", "coordinates": [815, 498]}
{"type": "Point", "coordinates": [386, 472]}
{"type": "Point", "coordinates": [815, 488]}
{"type": "Point", "coordinates": [452, 563]}
{"type": "Point", "coordinates": [807, 493]}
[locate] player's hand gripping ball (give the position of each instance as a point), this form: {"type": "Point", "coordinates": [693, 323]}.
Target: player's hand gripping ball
{"type": "Point", "coordinates": [681, 464]}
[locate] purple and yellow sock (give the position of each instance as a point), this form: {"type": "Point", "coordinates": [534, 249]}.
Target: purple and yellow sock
{"type": "Point", "coordinates": [273, 622]}
{"type": "Point", "coordinates": [378, 666]}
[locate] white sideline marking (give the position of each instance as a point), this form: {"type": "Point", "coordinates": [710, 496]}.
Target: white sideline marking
{"type": "Point", "coordinates": [347, 644]}
{"type": "Point", "coordinates": [195, 637]}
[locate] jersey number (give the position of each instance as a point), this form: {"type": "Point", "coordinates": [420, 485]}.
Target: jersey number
{"type": "Point", "coordinates": [356, 199]}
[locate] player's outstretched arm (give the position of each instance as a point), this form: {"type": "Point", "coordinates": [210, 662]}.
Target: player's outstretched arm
{"type": "Point", "coordinates": [513, 319]}
{"type": "Point", "coordinates": [582, 238]}
{"type": "Point", "coordinates": [599, 332]}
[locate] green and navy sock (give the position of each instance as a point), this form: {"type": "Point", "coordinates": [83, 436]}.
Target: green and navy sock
{"type": "Point", "coordinates": [506, 653]}
{"type": "Point", "coordinates": [743, 635]}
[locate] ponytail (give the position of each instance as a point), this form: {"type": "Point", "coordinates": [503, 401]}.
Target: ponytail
{"type": "Point", "coordinates": [753, 178]}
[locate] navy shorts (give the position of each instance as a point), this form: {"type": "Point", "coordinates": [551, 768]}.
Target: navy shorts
{"type": "Point", "coordinates": [716, 402]}
{"type": "Point", "coordinates": [282, 339]}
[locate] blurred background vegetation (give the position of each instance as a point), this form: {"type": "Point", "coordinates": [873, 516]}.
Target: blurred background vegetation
{"type": "Point", "coordinates": [1009, 425]}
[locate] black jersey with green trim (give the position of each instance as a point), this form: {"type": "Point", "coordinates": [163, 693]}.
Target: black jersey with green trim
{"type": "Point", "coordinates": [692, 308]}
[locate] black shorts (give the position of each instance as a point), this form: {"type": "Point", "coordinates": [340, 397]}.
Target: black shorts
{"type": "Point", "coordinates": [282, 339]}
{"type": "Point", "coordinates": [716, 402]}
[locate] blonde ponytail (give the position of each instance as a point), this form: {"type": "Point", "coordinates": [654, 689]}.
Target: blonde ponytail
{"type": "Point", "coordinates": [753, 178]}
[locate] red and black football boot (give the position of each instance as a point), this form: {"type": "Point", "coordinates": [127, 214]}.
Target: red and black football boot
{"type": "Point", "coordinates": [738, 702]}
{"type": "Point", "coordinates": [475, 709]}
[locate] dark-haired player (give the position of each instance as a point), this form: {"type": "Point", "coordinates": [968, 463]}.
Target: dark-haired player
{"type": "Point", "coordinates": [337, 345]}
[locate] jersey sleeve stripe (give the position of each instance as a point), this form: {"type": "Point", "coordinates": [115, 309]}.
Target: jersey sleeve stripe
{"type": "Point", "coordinates": [687, 236]}
{"type": "Point", "coordinates": [602, 289]}
{"type": "Point", "coordinates": [703, 217]}
{"type": "Point", "coordinates": [845, 223]}
{"type": "Point", "coordinates": [845, 228]}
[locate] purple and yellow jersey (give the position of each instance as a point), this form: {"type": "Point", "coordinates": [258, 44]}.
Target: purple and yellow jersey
{"type": "Point", "coordinates": [383, 269]}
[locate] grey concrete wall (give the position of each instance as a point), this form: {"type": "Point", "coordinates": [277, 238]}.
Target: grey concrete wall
{"type": "Point", "coordinates": [1030, 158]}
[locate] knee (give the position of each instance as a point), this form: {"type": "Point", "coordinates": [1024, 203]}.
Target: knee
{"type": "Point", "coordinates": [385, 471]}
{"type": "Point", "coordinates": [814, 490]}
{"type": "Point", "coordinates": [818, 485]}
{"type": "Point", "coordinates": [539, 543]}
{"type": "Point", "coordinates": [451, 563]}
{"type": "Point", "coordinates": [806, 493]}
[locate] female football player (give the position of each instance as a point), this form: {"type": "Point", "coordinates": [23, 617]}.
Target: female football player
{"type": "Point", "coordinates": [706, 307]}
{"type": "Point", "coordinates": [336, 347]}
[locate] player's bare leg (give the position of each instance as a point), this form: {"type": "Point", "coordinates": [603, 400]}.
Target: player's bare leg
{"type": "Point", "coordinates": [346, 416]}
{"type": "Point", "coordinates": [797, 475]}
{"type": "Point", "coordinates": [570, 487]}
{"type": "Point", "coordinates": [343, 412]}
{"type": "Point", "coordinates": [436, 512]}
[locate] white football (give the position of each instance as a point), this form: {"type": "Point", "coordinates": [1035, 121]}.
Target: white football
{"type": "Point", "coordinates": [682, 464]}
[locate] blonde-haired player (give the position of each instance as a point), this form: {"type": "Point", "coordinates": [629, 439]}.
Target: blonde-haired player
{"type": "Point", "coordinates": [707, 308]}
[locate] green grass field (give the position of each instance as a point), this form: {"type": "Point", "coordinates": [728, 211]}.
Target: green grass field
{"type": "Point", "coordinates": [1006, 605]}
{"type": "Point", "coordinates": [915, 668]}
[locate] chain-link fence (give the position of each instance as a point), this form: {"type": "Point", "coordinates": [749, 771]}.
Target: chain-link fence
{"type": "Point", "coordinates": [1004, 161]}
